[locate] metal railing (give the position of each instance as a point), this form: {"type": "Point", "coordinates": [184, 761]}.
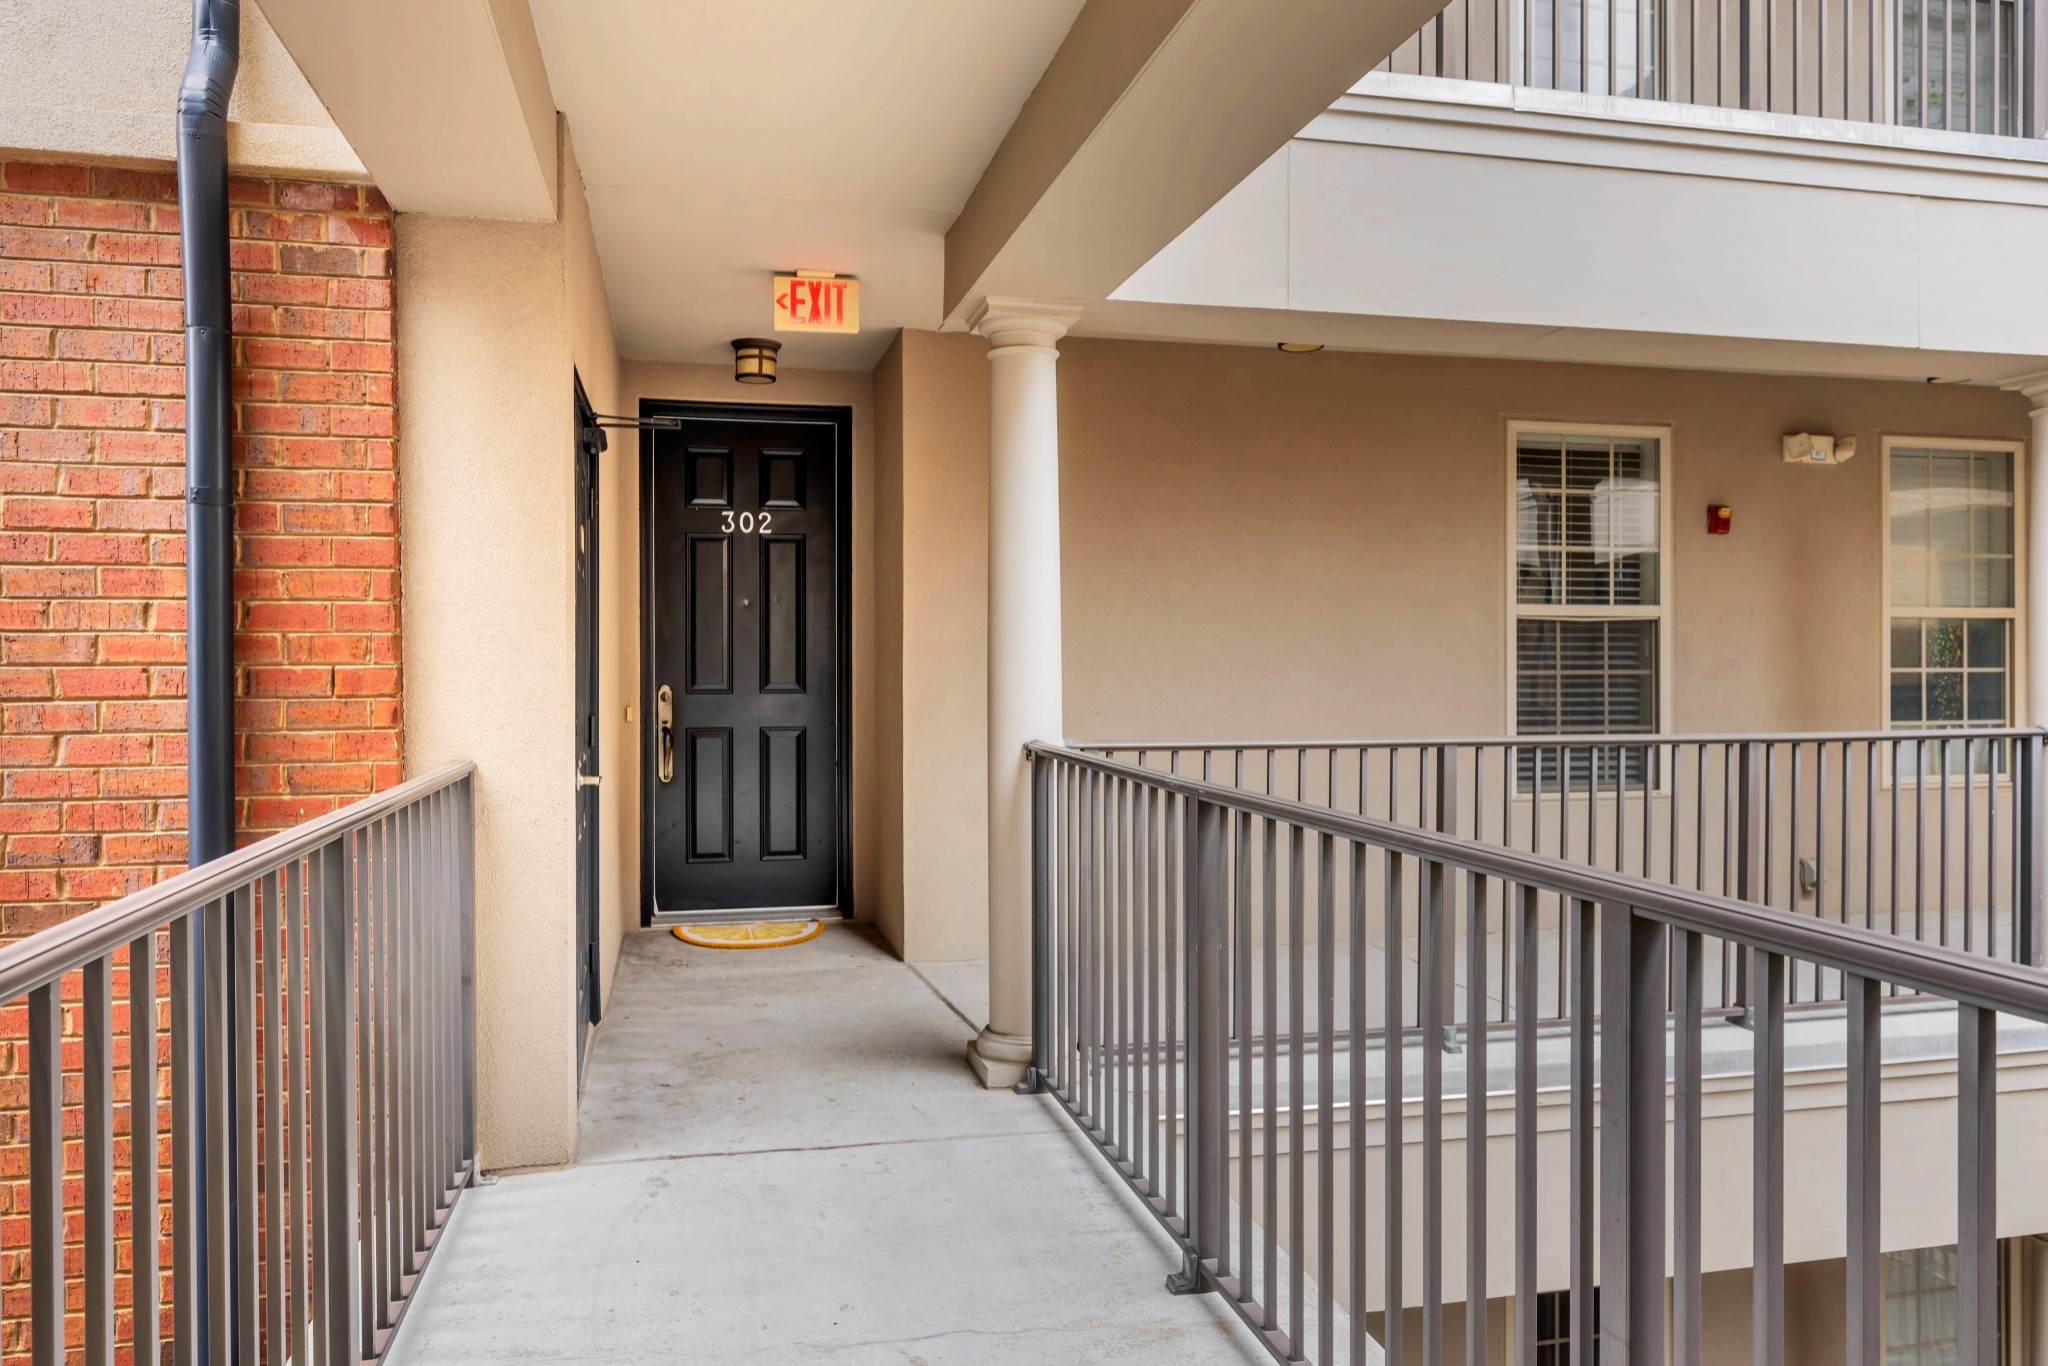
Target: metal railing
{"type": "Point", "coordinates": [1968, 65]}
{"type": "Point", "coordinates": [1932, 835]}
{"type": "Point", "coordinates": [1225, 978]}
{"type": "Point", "coordinates": [293, 1024]}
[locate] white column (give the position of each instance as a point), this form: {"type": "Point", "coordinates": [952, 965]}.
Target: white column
{"type": "Point", "coordinates": [1024, 674]}
{"type": "Point", "coordinates": [2034, 480]}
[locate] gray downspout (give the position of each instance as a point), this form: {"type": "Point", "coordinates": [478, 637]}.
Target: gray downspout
{"type": "Point", "coordinates": [208, 1298]}
{"type": "Point", "coordinates": [209, 416]}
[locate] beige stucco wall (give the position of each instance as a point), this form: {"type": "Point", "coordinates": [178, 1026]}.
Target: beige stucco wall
{"type": "Point", "coordinates": [932, 541]}
{"type": "Point", "coordinates": [494, 319]}
{"type": "Point", "coordinates": [1252, 500]}
{"type": "Point", "coordinates": [89, 96]}
{"type": "Point", "coordinates": [484, 439]}
{"type": "Point", "coordinates": [1265, 545]}
{"type": "Point", "coordinates": [825, 388]}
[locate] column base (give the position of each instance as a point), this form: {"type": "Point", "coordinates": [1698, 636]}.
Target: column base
{"type": "Point", "coordinates": [999, 1060]}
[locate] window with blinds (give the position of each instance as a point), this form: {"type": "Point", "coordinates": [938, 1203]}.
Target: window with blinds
{"type": "Point", "coordinates": [1952, 566]}
{"type": "Point", "coordinates": [1588, 598]}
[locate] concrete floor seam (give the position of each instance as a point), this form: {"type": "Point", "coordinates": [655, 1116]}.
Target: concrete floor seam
{"type": "Point", "coordinates": [813, 1148]}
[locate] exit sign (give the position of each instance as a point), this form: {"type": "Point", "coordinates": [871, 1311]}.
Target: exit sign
{"type": "Point", "coordinates": [808, 303]}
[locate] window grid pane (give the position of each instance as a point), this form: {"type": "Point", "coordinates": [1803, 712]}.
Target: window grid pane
{"type": "Point", "coordinates": [1576, 676]}
{"type": "Point", "coordinates": [1951, 527]}
{"type": "Point", "coordinates": [1951, 545]}
{"type": "Point", "coordinates": [1920, 1307]}
{"type": "Point", "coordinates": [1587, 520]}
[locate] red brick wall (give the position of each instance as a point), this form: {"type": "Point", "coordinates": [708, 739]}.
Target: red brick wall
{"type": "Point", "coordinates": [92, 512]}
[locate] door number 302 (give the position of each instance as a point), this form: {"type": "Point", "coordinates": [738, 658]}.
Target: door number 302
{"type": "Point", "coordinates": [746, 523]}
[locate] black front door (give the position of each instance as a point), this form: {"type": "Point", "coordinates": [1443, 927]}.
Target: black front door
{"type": "Point", "coordinates": [745, 654]}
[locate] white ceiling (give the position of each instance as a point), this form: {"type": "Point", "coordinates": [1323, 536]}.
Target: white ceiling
{"type": "Point", "coordinates": [722, 142]}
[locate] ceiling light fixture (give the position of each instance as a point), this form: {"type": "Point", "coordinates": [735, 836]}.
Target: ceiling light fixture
{"type": "Point", "coordinates": [753, 360]}
{"type": "Point", "coordinates": [1948, 379]}
{"type": "Point", "coordinates": [1300, 348]}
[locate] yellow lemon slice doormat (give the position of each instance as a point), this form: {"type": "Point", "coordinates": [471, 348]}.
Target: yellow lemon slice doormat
{"type": "Point", "coordinates": [758, 934]}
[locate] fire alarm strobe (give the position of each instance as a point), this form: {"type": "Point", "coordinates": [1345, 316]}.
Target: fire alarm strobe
{"type": "Point", "coordinates": [1804, 448]}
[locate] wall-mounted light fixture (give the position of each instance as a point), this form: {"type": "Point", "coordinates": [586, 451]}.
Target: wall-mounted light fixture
{"type": "Point", "coordinates": [1300, 348]}
{"type": "Point", "coordinates": [1809, 448]}
{"type": "Point", "coordinates": [753, 360]}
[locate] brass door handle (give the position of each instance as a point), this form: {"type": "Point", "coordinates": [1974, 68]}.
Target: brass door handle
{"type": "Point", "coordinates": [665, 734]}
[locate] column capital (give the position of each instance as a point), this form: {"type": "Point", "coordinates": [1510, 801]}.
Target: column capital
{"type": "Point", "coordinates": [2034, 386]}
{"type": "Point", "coordinates": [1011, 322]}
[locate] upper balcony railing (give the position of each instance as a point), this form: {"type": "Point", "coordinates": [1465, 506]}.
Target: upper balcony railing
{"type": "Point", "coordinates": [1935, 836]}
{"type": "Point", "coordinates": [1973, 66]}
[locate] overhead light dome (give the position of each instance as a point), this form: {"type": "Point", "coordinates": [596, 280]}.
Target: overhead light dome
{"type": "Point", "coordinates": [753, 360]}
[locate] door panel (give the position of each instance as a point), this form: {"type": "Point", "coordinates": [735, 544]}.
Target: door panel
{"type": "Point", "coordinates": [745, 631]}
{"type": "Point", "coordinates": [782, 599]}
{"type": "Point", "coordinates": [590, 444]}
{"type": "Point", "coordinates": [707, 571]}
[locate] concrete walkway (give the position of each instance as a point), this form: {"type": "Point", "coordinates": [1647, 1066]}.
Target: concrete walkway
{"type": "Point", "coordinates": [784, 1159]}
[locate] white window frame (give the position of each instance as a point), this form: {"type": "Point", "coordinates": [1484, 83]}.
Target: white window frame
{"type": "Point", "coordinates": [2016, 671]}
{"type": "Point", "coordinates": [1661, 613]}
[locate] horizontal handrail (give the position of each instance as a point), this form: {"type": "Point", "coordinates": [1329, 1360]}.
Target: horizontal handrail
{"type": "Point", "coordinates": [1928, 968]}
{"type": "Point", "coordinates": [49, 954]}
{"type": "Point", "coordinates": [1563, 741]}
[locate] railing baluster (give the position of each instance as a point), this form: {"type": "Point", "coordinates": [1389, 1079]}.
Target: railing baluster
{"type": "Point", "coordinates": [1584, 1183]}
{"type": "Point", "coordinates": [188, 1218]}
{"type": "Point", "coordinates": [1435, 911]}
{"type": "Point", "coordinates": [1528, 1194]}
{"type": "Point", "coordinates": [1242, 1015]}
{"type": "Point", "coordinates": [1296, 1083]}
{"type": "Point", "coordinates": [245, 1155]}
{"type": "Point", "coordinates": [331, 1135]}
{"type": "Point", "coordinates": [223, 1334]}
{"type": "Point", "coordinates": [1865, 1340]}
{"type": "Point", "coordinates": [1207, 1071]}
{"type": "Point", "coordinates": [1149, 901]}
{"type": "Point", "coordinates": [1177, 889]}
{"type": "Point", "coordinates": [270, 932]}
{"type": "Point", "coordinates": [1686, 1156]}
{"type": "Point", "coordinates": [1120, 968]}
{"type": "Point", "coordinates": [1632, 984]}
{"type": "Point", "coordinates": [300, 1128]}
{"type": "Point", "coordinates": [1326, 1089]}
{"type": "Point", "coordinates": [1394, 1116]}
{"type": "Point", "coordinates": [96, 1024]}
{"type": "Point", "coordinates": [1269, 904]}
{"type": "Point", "coordinates": [2027, 816]}
{"type": "Point", "coordinates": [1941, 844]}
{"type": "Point", "coordinates": [369, 984]}
{"type": "Point", "coordinates": [1475, 1119]}
{"type": "Point", "coordinates": [46, 1176]}
{"type": "Point", "coordinates": [1767, 1164]}
{"type": "Point", "coordinates": [1087, 981]}
{"type": "Point", "coordinates": [144, 1292]}
{"type": "Point", "coordinates": [1976, 1186]}
{"type": "Point", "coordinates": [1969, 809]}
{"type": "Point", "coordinates": [1359, 1024]}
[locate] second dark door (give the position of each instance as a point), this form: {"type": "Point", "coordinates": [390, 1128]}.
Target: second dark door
{"type": "Point", "coordinates": [745, 655]}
